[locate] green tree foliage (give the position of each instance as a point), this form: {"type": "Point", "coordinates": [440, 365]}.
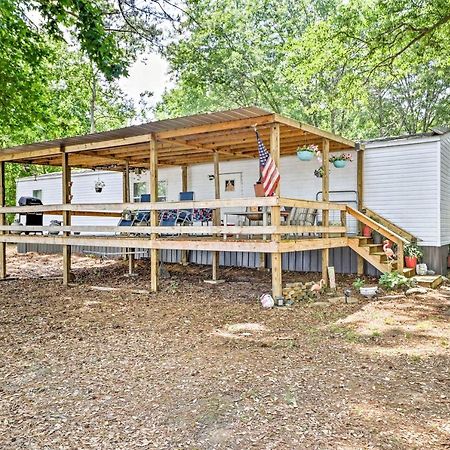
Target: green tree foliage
{"type": "Point", "coordinates": [62, 108]}
{"type": "Point", "coordinates": [360, 68]}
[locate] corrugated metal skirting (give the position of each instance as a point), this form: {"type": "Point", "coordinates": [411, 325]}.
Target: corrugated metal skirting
{"type": "Point", "coordinates": [343, 259]}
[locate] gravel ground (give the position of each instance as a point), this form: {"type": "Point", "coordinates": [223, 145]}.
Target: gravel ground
{"type": "Point", "coordinates": [201, 366]}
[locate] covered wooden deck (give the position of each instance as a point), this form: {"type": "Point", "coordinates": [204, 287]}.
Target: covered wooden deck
{"type": "Point", "coordinates": [182, 142]}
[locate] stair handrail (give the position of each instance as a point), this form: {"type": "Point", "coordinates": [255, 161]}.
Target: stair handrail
{"type": "Point", "coordinates": [361, 217]}
{"type": "Point", "coordinates": [398, 230]}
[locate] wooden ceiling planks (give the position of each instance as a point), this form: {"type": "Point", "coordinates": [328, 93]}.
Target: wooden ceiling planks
{"type": "Point", "coordinates": [183, 141]}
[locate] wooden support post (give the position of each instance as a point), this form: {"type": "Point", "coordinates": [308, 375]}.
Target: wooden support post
{"type": "Point", "coordinates": [400, 258]}
{"type": "Point", "coordinates": [126, 199]}
{"type": "Point", "coordinates": [2, 221]}
{"type": "Point", "coordinates": [154, 253]}
{"type": "Point", "coordinates": [184, 178]}
{"type": "Point", "coordinates": [325, 213]}
{"type": "Point", "coordinates": [277, 282]}
{"type": "Point", "coordinates": [66, 198]}
{"type": "Point", "coordinates": [360, 177]}
{"type": "Point", "coordinates": [344, 221]}
{"type": "Point", "coordinates": [184, 188]}
{"type": "Point", "coordinates": [216, 216]}
{"type": "Point", "coordinates": [360, 192]}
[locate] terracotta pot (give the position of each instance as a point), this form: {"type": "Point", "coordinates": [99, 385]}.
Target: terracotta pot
{"type": "Point", "coordinates": [259, 190]}
{"type": "Point", "coordinates": [367, 231]}
{"type": "Point", "coordinates": [410, 262]}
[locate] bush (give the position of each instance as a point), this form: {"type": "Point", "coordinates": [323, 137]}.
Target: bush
{"type": "Point", "coordinates": [393, 281]}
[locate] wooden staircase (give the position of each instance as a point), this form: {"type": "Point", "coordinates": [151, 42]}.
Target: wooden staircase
{"type": "Point", "coordinates": [373, 253]}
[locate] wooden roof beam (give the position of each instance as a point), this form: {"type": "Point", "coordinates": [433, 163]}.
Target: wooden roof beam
{"type": "Point", "coordinates": [313, 130]}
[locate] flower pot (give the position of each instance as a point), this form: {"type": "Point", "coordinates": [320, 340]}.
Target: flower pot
{"type": "Point", "coordinates": [339, 164]}
{"type": "Point", "coordinates": [259, 190]}
{"type": "Point", "coordinates": [410, 262]}
{"type": "Point", "coordinates": [377, 238]}
{"type": "Point", "coordinates": [367, 231]}
{"type": "Point", "coordinates": [305, 155]}
{"type": "Point", "coordinates": [98, 189]}
{"type": "Point", "coordinates": [369, 291]}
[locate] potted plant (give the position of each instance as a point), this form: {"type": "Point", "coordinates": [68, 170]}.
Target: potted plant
{"type": "Point", "coordinates": [340, 161]}
{"type": "Point", "coordinates": [259, 189]}
{"type": "Point", "coordinates": [307, 153]}
{"type": "Point", "coordinates": [412, 253]}
{"type": "Point", "coordinates": [319, 172]}
{"type": "Point", "coordinates": [367, 231]}
{"type": "Point", "coordinates": [99, 185]}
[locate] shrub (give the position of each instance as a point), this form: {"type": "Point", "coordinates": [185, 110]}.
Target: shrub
{"type": "Point", "coordinates": [393, 281]}
{"type": "Point", "coordinates": [358, 283]}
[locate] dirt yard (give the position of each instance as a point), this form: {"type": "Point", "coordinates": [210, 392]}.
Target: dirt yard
{"type": "Point", "coordinates": [201, 366]}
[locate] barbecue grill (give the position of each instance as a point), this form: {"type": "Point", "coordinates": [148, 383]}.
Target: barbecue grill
{"type": "Point", "coordinates": [31, 219]}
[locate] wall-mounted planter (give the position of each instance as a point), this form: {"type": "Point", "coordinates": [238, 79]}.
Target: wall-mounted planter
{"type": "Point", "coordinates": [305, 155]}
{"type": "Point", "coordinates": [339, 164]}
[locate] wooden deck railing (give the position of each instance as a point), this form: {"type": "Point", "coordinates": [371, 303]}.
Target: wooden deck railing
{"type": "Point", "coordinates": [388, 224]}
{"type": "Point", "coordinates": [109, 235]}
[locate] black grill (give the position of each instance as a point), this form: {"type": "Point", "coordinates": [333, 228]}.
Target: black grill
{"type": "Point", "coordinates": [31, 219]}
{"type": "Point", "coordinates": [29, 201]}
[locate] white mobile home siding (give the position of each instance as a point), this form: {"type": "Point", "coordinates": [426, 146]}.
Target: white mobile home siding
{"type": "Point", "coordinates": [297, 181]}
{"type": "Point", "coordinates": [445, 189]}
{"type": "Point", "coordinates": [401, 182]}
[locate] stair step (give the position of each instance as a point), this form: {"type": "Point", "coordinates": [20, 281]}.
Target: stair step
{"type": "Point", "coordinates": [408, 273]}
{"type": "Point", "coordinates": [429, 281]}
{"type": "Point", "coordinates": [371, 246]}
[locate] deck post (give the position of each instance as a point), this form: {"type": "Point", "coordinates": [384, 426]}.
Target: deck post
{"type": "Point", "coordinates": [154, 253]}
{"type": "Point", "coordinates": [66, 199]}
{"type": "Point", "coordinates": [184, 188]}
{"type": "Point", "coordinates": [2, 221]}
{"type": "Point", "coordinates": [360, 192]}
{"type": "Point", "coordinates": [126, 199]}
{"type": "Point", "coordinates": [325, 198]}
{"type": "Point", "coordinates": [216, 216]}
{"type": "Point", "coordinates": [277, 282]}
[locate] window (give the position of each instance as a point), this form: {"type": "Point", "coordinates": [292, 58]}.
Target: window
{"type": "Point", "coordinates": [37, 193]}
{"type": "Point", "coordinates": [141, 187]}
{"type": "Point", "coordinates": [162, 191]}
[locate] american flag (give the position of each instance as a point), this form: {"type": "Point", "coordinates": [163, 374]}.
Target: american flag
{"type": "Point", "coordinates": [270, 177]}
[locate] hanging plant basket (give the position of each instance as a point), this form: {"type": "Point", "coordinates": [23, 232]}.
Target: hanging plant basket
{"type": "Point", "coordinates": [307, 153]}
{"type": "Point", "coordinates": [99, 185]}
{"type": "Point", "coordinates": [340, 161]}
{"type": "Point", "coordinates": [339, 164]}
{"type": "Point", "coordinates": [319, 172]}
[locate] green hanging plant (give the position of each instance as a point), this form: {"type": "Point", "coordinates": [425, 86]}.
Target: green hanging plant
{"type": "Point", "coordinates": [319, 172]}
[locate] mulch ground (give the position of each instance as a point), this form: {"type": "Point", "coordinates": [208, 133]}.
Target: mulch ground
{"type": "Point", "coordinates": [201, 366]}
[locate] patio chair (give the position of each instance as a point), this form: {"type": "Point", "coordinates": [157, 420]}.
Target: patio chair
{"type": "Point", "coordinates": [186, 215]}
{"type": "Point", "coordinates": [142, 216]}
{"type": "Point", "coordinates": [186, 196]}
{"type": "Point", "coordinates": [301, 217]}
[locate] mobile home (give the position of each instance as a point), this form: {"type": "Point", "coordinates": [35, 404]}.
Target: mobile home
{"type": "Point", "coordinates": [406, 180]}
